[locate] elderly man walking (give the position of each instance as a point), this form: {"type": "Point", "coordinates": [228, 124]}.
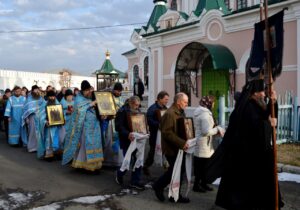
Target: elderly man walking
{"type": "Point", "coordinates": [171, 143]}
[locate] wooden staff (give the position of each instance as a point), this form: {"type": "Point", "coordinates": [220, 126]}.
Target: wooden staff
{"type": "Point", "coordinates": [270, 89]}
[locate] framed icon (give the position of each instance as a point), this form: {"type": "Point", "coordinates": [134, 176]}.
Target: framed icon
{"type": "Point", "coordinates": [185, 127]}
{"type": "Point", "coordinates": [138, 123]}
{"type": "Point", "coordinates": [105, 103]}
{"type": "Point", "coordinates": [55, 115]}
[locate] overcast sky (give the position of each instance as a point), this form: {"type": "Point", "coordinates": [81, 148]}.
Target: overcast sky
{"type": "Point", "coordinates": [82, 51]}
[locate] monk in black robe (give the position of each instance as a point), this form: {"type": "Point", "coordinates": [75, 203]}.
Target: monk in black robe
{"type": "Point", "coordinates": [244, 159]}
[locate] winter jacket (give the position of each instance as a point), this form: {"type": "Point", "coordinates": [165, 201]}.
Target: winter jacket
{"type": "Point", "coordinates": [170, 141]}
{"type": "Point", "coordinates": [205, 131]}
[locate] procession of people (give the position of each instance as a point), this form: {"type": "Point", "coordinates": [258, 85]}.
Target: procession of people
{"type": "Point", "coordinates": [88, 140]}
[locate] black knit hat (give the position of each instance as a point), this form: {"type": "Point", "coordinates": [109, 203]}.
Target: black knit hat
{"type": "Point", "coordinates": [34, 87]}
{"type": "Point", "coordinates": [118, 86]}
{"type": "Point", "coordinates": [68, 92]}
{"type": "Point", "coordinates": [85, 85]}
{"type": "Point", "coordinates": [51, 93]}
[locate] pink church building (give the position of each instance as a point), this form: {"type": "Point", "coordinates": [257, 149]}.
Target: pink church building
{"type": "Point", "coordinates": [202, 47]}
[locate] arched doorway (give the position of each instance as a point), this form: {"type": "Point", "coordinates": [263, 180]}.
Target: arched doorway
{"type": "Point", "coordinates": [212, 61]}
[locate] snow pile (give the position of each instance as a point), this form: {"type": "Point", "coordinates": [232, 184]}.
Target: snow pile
{"type": "Point", "coordinates": [89, 199]}
{"type": "Point", "coordinates": [15, 200]}
{"type": "Point", "coordinates": [284, 177]}
{"type": "Point", "coordinates": [53, 206]}
{"type": "Point", "coordinates": [4, 205]}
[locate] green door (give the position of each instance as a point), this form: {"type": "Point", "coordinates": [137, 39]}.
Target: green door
{"type": "Point", "coordinates": [216, 83]}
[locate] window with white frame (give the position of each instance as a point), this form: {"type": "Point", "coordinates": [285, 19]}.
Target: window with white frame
{"type": "Point", "coordinates": [241, 4]}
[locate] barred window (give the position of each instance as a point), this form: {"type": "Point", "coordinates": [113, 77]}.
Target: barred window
{"type": "Point", "coordinates": [241, 4]}
{"type": "Point", "coordinates": [227, 3]}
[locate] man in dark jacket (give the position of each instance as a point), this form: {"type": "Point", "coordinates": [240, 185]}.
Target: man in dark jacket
{"type": "Point", "coordinates": [126, 137]}
{"type": "Point", "coordinates": [153, 119]}
{"type": "Point", "coordinates": [247, 177]}
{"type": "Point", "coordinates": [138, 88]}
{"type": "Point", "coordinates": [171, 143]}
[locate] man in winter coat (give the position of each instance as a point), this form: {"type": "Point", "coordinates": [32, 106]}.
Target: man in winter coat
{"type": "Point", "coordinates": [171, 143]}
{"type": "Point", "coordinates": [153, 122]}
{"type": "Point", "coordinates": [138, 88]}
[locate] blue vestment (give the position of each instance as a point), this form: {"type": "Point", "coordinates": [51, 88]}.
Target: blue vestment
{"type": "Point", "coordinates": [83, 142]}
{"type": "Point", "coordinates": [112, 154]}
{"type": "Point", "coordinates": [65, 105]}
{"type": "Point", "coordinates": [53, 139]}
{"type": "Point", "coordinates": [34, 115]}
{"type": "Point", "coordinates": [14, 110]}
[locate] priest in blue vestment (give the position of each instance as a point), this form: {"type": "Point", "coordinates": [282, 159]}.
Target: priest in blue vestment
{"type": "Point", "coordinates": [83, 142]}
{"type": "Point", "coordinates": [53, 134]}
{"type": "Point", "coordinates": [113, 155]}
{"type": "Point", "coordinates": [13, 111]}
{"type": "Point", "coordinates": [34, 119]}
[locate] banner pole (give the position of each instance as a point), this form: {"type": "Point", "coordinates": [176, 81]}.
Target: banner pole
{"type": "Point", "coordinates": [270, 89]}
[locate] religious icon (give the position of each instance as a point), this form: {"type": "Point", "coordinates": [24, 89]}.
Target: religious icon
{"type": "Point", "coordinates": [105, 103]}
{"type": "Point", "coordinates": [185, 127]}
{"type": "Point", "coordinates": [138, 123]}
{"type": "Point", "coordinates": [55, 115]}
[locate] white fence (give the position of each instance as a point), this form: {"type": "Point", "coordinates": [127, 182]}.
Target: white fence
{"type": "Point", "coordinates": [288, 117]}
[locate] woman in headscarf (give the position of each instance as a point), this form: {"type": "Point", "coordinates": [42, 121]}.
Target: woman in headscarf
{"type": "Point", "coordinates": [205, 129]}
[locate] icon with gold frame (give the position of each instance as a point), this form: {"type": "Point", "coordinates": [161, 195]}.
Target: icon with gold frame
{"type": "Point", "coordinates": [138, 123]}
{"type": "Point", "coordinates": [185, 127]}
{"type": "Point", "coordinates": [105, 103]}
{"type": "Point", "coordinates": [55, 115]}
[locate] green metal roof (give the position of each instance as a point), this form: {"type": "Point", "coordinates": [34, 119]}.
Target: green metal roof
{"type": "Point", "coordinates": [209, 5]}
{"type": "Point", "coordinates": [157, 12]}
{"type": "Point", "coordinates": [108, 68]}
{"type": "Point", "coordinates": [184, 15]}
{"type": "Point", "coordinates": [137, 30]}
{"type": "Point", "coordinates": [171, 29]}
{"type": "Point", "coordinates": [222, 57]}
{"type": "Point", "coordinates": [130, 51]}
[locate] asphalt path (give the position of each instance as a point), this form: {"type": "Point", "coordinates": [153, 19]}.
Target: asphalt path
{"type": "Point", "coordinates": [50, 183]}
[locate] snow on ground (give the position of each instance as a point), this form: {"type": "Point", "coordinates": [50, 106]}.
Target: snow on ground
{"type": "Point", "coordinates": [16, 200]}
{"type": "Point", "coordinates": [4, 205]}
{"type": "Point", "coordinates": [89, 199]}
{"type": "Point", "coordinates": [53, 206]}
{"type": "Point", "coordinates": [283, 177]}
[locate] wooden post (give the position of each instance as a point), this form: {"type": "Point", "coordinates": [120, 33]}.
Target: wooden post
{"type": "Point", "coordinates": [270, 89]}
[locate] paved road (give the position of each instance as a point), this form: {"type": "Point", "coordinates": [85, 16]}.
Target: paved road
{"type": "Point", "coordinates": [28, 183]}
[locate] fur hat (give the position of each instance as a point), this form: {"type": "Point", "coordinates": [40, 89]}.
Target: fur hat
{"type": "Point", "coordinates": [68, 92]}
{"type": "Point", "coordinates": [85, 85]}
{"type": "Point", "coordinates": [51, 93]}
{"type": "Point", "coordinates": [34, 87]}
{"type": "Point", "coordinates": [118, 86]}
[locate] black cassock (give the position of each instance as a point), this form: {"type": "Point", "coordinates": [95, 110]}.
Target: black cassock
{"type": "Point", "coordinates": [244, 161]}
